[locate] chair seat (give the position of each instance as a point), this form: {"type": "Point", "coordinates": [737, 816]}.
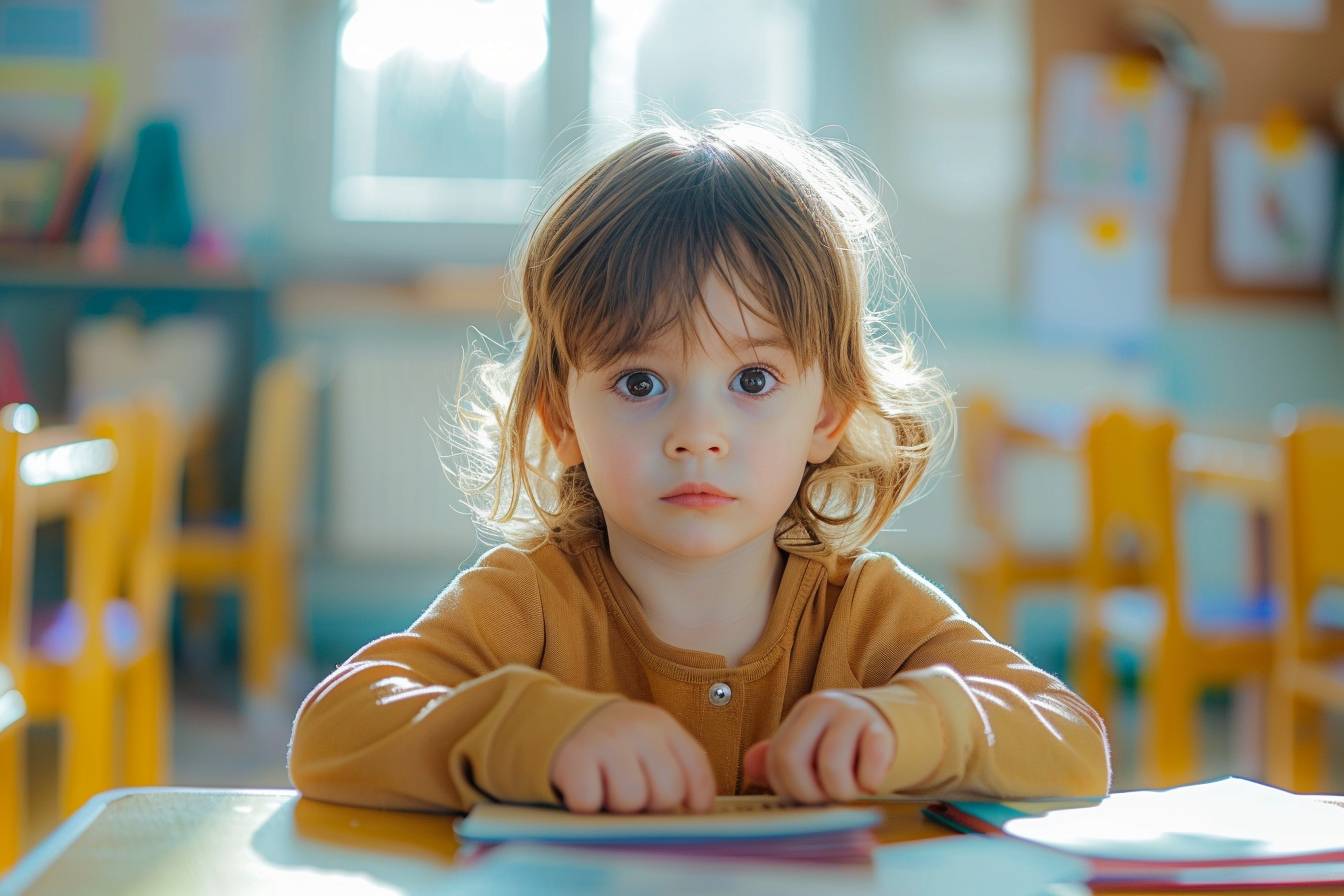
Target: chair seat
{"type": "Point", "coordinates": [58, 632]}
{"type": "Point", "coordinates": [210, 556]}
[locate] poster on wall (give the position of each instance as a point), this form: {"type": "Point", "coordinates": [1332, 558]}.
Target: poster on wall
{"type": "Point", "coordinates": [1273, 189]}
{"type": "Point", "coordinates": [1095, 278]}
{"type": "Point", "coordinates": [1114, 134]}
{"type": "Point", "coordinates": [1287, 14]}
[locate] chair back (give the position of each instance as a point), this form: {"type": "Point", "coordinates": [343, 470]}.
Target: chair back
{"type": "Point", "coordinates": [158, 457]}
{"type": "Point", "coordinates": [1132, 508]}
{"type": "Point", "coordinates": [982, 444]}
{"type": "Point", "coordinates": [16, 538]}
{"type": "Point", "coordinates": [1313, 511]}
{"type": "Point", "coordinates": [279, 452]}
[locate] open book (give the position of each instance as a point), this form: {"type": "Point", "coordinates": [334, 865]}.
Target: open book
{"type": "Point", "coordinates": [732, 818]}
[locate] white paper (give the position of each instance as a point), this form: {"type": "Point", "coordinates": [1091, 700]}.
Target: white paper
{"type": "Point", "coordinates": [1288, 14]}
{"type": "Point", "coordinates": [1221, 820]}
{"type": "Point", "coordinates": [1079, 292]}
{"type": "Point", "coordinates": [1100, 151]}
{"type": "Point", "coordinates": [1271, 215]}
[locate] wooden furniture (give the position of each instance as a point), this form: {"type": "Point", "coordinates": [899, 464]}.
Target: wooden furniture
{"type": "Point", "coordinates": [260, 557]}
{"type": "Point", "coordinates": [999, 567]}
{"type": "Point", "coordinates": [174, 840]}
{"type": "Point", "coordinates": [113, 478]}
{"type": "Point", "coordinates": [15, 555]}
{"type": "Point", "coordinates": [1137, 469]}
{"type": "Point", "coordinates": [1304, 680]}
{"type": "Point", "coordinates": [12, 789]}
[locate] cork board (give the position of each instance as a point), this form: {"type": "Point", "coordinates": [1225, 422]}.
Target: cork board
{"type": "Point", "coordinates": [1260, 68]}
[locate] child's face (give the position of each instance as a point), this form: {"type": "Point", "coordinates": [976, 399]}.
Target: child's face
{"type": "Point", "coordinates": [743, 420]}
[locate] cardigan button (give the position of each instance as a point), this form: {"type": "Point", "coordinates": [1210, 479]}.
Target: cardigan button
{"type": "Point", "coordinates": [720, 693]}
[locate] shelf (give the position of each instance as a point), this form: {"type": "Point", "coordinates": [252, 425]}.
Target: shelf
{"type": "Point", "coordinates": [57, 267]}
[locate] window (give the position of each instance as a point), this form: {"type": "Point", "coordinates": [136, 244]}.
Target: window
{"type": "Point", "coordinates": [441, 105]}
{"type": "Point", "coordinates": [748, 55]}
{"type": "Point", "coordinates": [440, 109]}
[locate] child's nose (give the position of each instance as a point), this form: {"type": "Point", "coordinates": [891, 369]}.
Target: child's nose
{"type": "Point", "coordinates": [696, 432]}
{"type": "Point", "coordinates": [680, 445]}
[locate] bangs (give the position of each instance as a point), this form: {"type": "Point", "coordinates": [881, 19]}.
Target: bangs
{"type": "Point", "coordinates": [673, 215]}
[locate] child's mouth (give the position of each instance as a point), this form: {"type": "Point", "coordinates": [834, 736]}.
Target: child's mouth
{"type": "Point", "coordinates": [698, 499]}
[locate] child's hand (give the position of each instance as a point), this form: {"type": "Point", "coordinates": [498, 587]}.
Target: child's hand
{"type": "Point", "coordinates": [833, 746]}
{"type": "Point", "coordinates": [632, 757]}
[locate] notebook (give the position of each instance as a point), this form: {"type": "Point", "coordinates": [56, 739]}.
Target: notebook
{"type": "Point", "coordinates": [1228, 833]}
{"type": "Point", "coordinates": [733, 818]}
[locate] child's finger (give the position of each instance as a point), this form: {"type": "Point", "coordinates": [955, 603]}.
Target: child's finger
{"type": "Point", "coordinates": [837, 754]}
{"type": "Point", "coordinates": [793, 752]}
{"type": "Point", "coordinates": [694, 762]}
{"type": "Point", "coordinates": [624, 783]}
{"type": "Point", "coordinates": [753, 762]}
{"type": "Point", "coordinates": [665, 781]}
{"type": "Point", "coordinates": [581, 786]}
{"type": "Point", "coordinates": [877, 748]}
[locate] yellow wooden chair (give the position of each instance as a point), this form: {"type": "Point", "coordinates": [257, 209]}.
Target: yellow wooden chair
{"type": "Point", "coordinates": [1305, 680]}
{"type": "Point", "coordinates": [114, 479]}
{"type": "Point", "coordinates": [1186, 642]}
{"type": "Point", "coordinates": [999, 567]}
{"type": "Point", "coordinates": [261, 556]}
{"type": "Point", "coordinates": [15, 555]}
{"type": "Point", "coordinates": [12, 790]}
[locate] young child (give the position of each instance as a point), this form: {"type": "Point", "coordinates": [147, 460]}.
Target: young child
{"type": "Point", "coordinates": [707, 420]}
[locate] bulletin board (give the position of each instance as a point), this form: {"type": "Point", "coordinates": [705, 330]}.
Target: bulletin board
{"type": "Point", "coordinates": [1260, 67]}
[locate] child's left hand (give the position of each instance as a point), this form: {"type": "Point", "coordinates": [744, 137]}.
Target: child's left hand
{"type": "Point", "coordinates": [833, 746]}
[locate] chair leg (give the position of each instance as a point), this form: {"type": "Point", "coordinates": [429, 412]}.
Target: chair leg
{"type": "Point", "coordinates": [148, 753]}
{"type": "Point", "coordinates": [1171, 742]}
{"type": "Point", "coordinates": [270, 625]}
{"type": "Point", "coordinates": [993, 601]}
{"type": "Point", "coordinates": [1093, 675]}
{"type": "Point", "coordinates": [88, 741]}
{"type": "Point", "coordinates": [1279, 721]}
{"type": "Point", "coordinates": [1248, 726]}
{"type": "Point", "coordinates": [13, 796]}
{"type": "Point", "coordinates": [1308, 748]}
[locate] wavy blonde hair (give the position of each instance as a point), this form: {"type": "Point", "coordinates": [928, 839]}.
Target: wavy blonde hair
{"type": "Point", "coordinates": [619, 256]}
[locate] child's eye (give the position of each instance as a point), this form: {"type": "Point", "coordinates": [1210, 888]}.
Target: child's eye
{"type": "Point", "coordinates": [637, 385]}
{"type": "Point", "coordinates": [755, 381]}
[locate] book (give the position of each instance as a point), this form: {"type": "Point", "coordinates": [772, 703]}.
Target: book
{"type": "Point", "coordinates": [1229, 834]}
{"type": "Point", "coordinates": [732, 818]}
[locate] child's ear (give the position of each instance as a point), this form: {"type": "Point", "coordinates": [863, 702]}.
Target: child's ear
{"type": "Point", "coordinates": [830, 428]}
{"type": "Point", "coordinates": [562, 439]}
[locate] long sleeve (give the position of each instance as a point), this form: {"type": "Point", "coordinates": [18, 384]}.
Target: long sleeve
{"type": "Point", "coordinates": [449, 712]}
{"type": "Point", "coordinates": [970, 714]}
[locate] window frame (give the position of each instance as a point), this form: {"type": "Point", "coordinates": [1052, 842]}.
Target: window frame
{"type": "Point", "coordinates": [313, 235]}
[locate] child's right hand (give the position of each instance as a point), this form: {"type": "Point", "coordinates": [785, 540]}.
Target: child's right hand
{"type": "Point", "coordinates": [632, 757]}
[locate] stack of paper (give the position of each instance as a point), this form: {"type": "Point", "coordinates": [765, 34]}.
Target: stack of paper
{"type": "Point", "coordinates": [1227, 834]}
{"type": "Point", "coordinates": [738, 828]}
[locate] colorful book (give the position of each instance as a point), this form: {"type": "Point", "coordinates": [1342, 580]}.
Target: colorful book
{"type": "Point", "coordinates": [732, 818]}
{"type": "Point", "coordinates": [1226, 834]}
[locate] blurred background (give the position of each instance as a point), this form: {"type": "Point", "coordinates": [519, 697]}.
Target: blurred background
{"type": "Point", "coordinates": [243, 242]}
